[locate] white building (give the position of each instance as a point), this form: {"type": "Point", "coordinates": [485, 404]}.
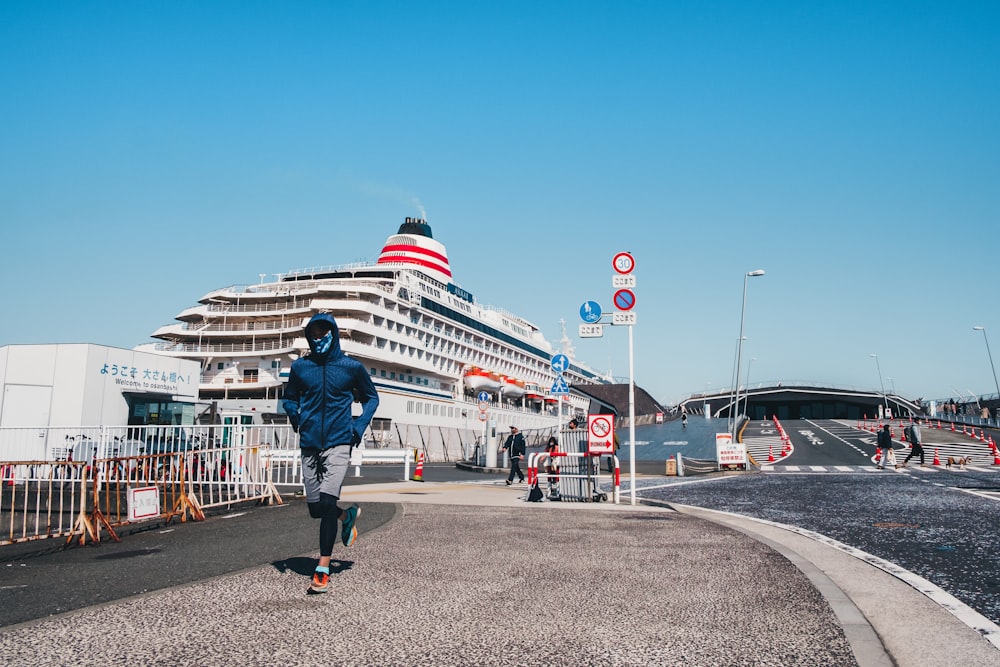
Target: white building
{"type": "Point", "coordinates": [84, 385]}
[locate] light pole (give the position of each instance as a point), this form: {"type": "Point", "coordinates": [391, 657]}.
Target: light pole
{"type": "Point", "coordinates": [885, 400]}
{"type": "Point", "coordinates": [983, 329]}
{"type": "Point", "coordinates": [739, 349]}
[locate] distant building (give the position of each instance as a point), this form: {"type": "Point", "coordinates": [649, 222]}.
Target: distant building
{"type": "Point", "coordinates": [85, 385]}
{"type": "Point", "coordinates": [614, 398]}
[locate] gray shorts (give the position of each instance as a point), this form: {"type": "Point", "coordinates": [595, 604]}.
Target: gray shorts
{"type": "Point", "coordinates": [323, 471]}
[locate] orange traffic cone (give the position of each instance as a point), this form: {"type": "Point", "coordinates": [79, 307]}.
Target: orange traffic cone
{"type": "Point", "coordinates": [996, 457]}
{"type": "Point", "coordinates": [937, 461]}
{"type": "Point", "coordinates": [982, 435]}
{"type": "Point", "coordinates": [770, 453]}
{"type": "Point", "coordinates": [953, 427]}
{"type": "Point", "coordinates": [939, 425]}
{"type": "Point", "coordinates": [418, 471]}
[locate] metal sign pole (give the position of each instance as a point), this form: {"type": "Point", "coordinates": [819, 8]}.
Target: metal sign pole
{"type": "Point", "coordinates": [631, 414]}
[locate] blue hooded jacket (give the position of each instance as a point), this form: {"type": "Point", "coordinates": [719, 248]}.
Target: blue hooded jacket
{"type": "Point", "coordinates": [321, 389]}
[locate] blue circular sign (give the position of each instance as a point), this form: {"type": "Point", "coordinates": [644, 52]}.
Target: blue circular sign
{"type": "Point", "coordinates": [590, 312]}
{"type": "Point", "coordinates": [560, 362]}
{"type": "Point", "coordinates": [483, 396]}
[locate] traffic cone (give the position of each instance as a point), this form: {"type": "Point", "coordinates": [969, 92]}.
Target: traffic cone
{"type": "Point", "coordinates": [982, 435]}
{"type": "Point", "coordinates": [939, 425]}
{"type": "Point", "coordinates": [418, 471]}
{"type": "Point", "coordinates": [770, 453]}
{"type": "Point", "coordinates": [937, 461]}
{"type": "Point", "coordinates": [902, 438]}
{"type": "Point", "coordinates": [996, 457]}
{"type": "Point", "coordinates": [953, 427]}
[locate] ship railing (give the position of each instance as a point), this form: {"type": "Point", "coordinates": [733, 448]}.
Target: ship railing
{"type": "Point", "coordinates": [222, 348]}
{"type": "Point", "coordinates": [238, 327]}
{"type": "Point", "coordinates": [223, 308]}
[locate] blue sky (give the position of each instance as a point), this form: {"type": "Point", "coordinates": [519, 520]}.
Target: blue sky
{"type": "Point", "coordinates": [153, 151]}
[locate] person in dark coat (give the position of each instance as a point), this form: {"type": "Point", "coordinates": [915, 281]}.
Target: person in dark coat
{"type": "Point", "coordinates": [515, 447]}
{"type": "Point", "coordinates": [322, 388]}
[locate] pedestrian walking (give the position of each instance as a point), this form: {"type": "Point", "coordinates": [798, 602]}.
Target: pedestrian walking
{"type": "Point", "coordinates": [551, 467]}
{"type": "Point", "coordinates": [616, 445]}
{"type": "Point", "coordinates": [884, 442]}
{"type": "Point", "coordinates": [514, 446]}
{"type": "Point", "coordinates": [322, 387]}
{"type": "Point", "coordinates": [913, 435]}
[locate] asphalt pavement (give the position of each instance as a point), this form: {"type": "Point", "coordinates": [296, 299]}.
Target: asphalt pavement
{"type": "Point", "coordinates": [460, 570]}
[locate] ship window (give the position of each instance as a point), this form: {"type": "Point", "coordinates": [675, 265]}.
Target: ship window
{"type": "Point", "coordinates": [373, 372]}
{"type": "Point", "coordinates": [409, 406]}
{"type": "Point", "coordinates": [382, 372]}
{"type": "Point", "coordinates": [220, 366]}
{"type": "Point", "coordinates": [420, 408]}
{"type": "Point", "coordinates": [392, 375]}
{"type": "Point", "coordinates": [409, 378]}
{"type": "Point", "coordinates": [275, 364]}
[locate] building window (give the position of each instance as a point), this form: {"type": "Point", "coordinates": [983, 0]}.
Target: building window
{"type": "Point", "coordinates": [220, 366]}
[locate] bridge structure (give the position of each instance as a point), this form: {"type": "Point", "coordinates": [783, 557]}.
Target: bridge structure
{"type": "Point", "coordinates": [800, 401]}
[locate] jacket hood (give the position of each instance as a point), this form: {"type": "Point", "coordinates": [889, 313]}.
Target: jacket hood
{"type": "Point", "coordinates": [326, 319]}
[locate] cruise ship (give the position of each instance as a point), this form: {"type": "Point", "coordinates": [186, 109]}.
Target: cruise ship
{"type": "Point", "coordinates": [430, 347]}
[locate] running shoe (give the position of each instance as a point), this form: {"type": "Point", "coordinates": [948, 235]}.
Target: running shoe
{"type": "Point", "coordinates": [348, 531]}
{"type": "Point", "coordinates": [320, 582]}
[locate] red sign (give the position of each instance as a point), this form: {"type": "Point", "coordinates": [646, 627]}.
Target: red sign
{"type": "Point", "coordinates": [623, 263]}
{"type": "Point", "coordinates": [600, 434]}
{"type": "Point", "coordinates": [624, 299]}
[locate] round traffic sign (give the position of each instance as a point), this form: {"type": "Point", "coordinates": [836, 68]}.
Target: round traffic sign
{"type": "Point", "coordinates": [624, 299]}
{"type": "Point", "coordinates": [484, 406]}
{"type": "Point", "coordinates": [623, 262]}
{"type": "Point", "coordinates": [560, 362]}
{"type": "Point", "coordinates": [483, 416]}
{"type": "Point", "coordinates": [483, 396]}
{"type": "Point", "coordinates": [590, 312]}
{"type": "Point", "coordinates": [600, 427]}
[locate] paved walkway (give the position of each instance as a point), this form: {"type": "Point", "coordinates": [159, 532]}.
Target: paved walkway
{"type": "Point", "coordinates": [469, 574]}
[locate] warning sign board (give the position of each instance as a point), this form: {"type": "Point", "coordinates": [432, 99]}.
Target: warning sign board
{"type": "Point", "coordinates": [143, 503]}
{"type": "Point", "coordinates": [730, 454]}
{"type": "Point", "coordinates": [600, 434]}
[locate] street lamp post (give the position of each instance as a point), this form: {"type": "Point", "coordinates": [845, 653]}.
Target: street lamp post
{"type": "Point", "coordinates": [992, 367]}
{"type": "Point", "coordinates": [885, 400]}
{"type": "Point", "coordinates": [739, 348]}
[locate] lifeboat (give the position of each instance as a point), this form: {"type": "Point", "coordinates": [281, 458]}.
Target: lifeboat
{"type": "Point", "coordinates": [534, 392]}
{"type": "Point", "coordinates": [513, 388]}
{"type": "Point", "coordinates": [479, 379]}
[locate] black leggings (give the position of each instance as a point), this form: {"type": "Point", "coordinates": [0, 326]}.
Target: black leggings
{"type": "Point", "coordinates": [328, 513]}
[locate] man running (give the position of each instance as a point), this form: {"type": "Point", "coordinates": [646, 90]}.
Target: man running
{"type": "Point", "coordinates": [321, 388]}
